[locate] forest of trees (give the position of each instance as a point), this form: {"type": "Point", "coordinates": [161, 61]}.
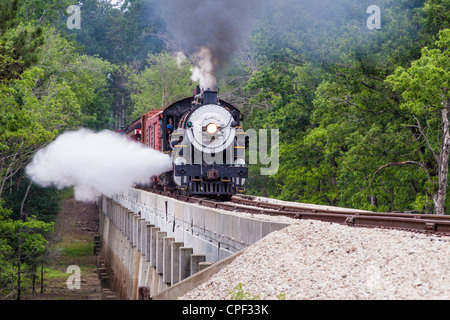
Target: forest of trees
{"type": "Point", "coordinates": [362, 113]}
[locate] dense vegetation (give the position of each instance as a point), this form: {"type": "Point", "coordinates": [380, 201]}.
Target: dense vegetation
{"type": "Point", "coordinates": [362, 114]}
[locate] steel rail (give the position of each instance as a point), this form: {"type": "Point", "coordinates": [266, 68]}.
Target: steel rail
{"type": "Point", "coordinates": [427, 223]}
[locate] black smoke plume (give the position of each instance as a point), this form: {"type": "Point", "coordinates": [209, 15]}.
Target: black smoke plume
{"type": "Point", "coordinates": [209, 31]}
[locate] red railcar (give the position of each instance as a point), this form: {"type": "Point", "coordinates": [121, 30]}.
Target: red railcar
{"type": "Point", "coordinates": [147, 129]}
{"type": "Point", "coordinates": [151, 129]}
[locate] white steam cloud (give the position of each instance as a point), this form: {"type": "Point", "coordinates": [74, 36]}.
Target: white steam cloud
{"type": "Point", "coordinates": [96, 163]}
{"type": "Point", "coordinates": [203, 71]}
{"type": "Point", "coordinates": [181, 58]}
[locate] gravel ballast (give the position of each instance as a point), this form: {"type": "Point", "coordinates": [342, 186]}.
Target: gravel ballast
{"type": "Point", "coordinates": [320, 260]}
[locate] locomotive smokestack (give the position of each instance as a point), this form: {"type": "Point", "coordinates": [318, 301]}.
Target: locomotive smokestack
{"type": "Point", "coordinates": [209, 96]}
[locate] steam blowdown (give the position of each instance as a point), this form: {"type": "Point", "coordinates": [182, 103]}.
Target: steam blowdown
{"type": "Point", "coordinates": [96, 163]}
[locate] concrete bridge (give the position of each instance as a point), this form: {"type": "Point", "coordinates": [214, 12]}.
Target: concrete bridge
{"type": "Point", "coordinates": [153, 246]}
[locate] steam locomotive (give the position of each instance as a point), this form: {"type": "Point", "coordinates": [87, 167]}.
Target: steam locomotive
{"type": "Point", "coordinates": [203, 136]}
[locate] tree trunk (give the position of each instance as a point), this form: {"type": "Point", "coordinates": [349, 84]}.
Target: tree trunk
{"type": "Point", "coordinates": [33, 283]}
{"type": "Point", "coordinates": [42, 277]}
{"type": "Point", "coordinates": [373, 200]}
{"type": "Point", "coordinates": [24, 199]}
{"type": "Point", "coordinates": [19, 272]}
{"type": "Point", "coordinates": [440, 194]}
{"type": "Point", "coordinates": [121, 124]}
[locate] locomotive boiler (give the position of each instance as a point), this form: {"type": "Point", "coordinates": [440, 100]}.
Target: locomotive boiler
{"type": "Point", "coordinates": [205, 140]}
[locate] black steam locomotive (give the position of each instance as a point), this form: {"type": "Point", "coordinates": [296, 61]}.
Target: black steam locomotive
{"type": "Point", "coordinates": [204, 138]}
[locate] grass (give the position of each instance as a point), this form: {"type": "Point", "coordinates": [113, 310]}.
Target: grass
{"type": "Point", "coordinates": [73, 247]}
{"type": "Point", "coordinates": [79, 253]}
{"type": "Point", "coordinates": [51, 273]}
{"type": "Point", "coordinates": [239, 293]}
{"type": "Point", "coordinates": [75, 252]}
{"type": "Point", "coordinates": [71, 244]}
{"type": "Point", "coordinates": [78, 249]}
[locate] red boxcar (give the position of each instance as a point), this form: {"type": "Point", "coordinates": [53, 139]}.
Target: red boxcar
{"type": "Point", "coordinates": [151, 129]}
{"type": "Point", "coordinates": [147, 129]}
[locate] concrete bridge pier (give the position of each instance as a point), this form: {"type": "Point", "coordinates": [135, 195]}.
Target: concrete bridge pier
{"type": "Point", "coordinates": [137, 254]}
{"type": "Point", "coordinates": [185, 262]}
{"type": "Point", "coordinates": [167, 259]}
{"type": "Point", "coordinates": [175, 256]}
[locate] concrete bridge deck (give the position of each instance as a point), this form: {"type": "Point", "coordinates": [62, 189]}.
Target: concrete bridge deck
{"type": "Point", "coordinates": [150, 243]}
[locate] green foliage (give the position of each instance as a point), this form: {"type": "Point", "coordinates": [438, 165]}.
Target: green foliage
{"type": "Point", "coordinates": [47, 99]}
{"type": "Point", "coordinates": [426, 83]}
{"type": "Point", "coordinates": [44, 203]}
{"type": "Point", "coordinates": [424, 89]}
{"type": "Point", "coordinates": [239, 293]}
{"type": "Point", "coordinates": [165, 80]}
{"type": "Point", "coordinates": [78, 248]}
{"type": "Point", "coordinates": [434, 16]}
{"type": "Point", "coordinates": [22, 242]}
{"type": "Point", "coordinates": [123, 35]}
{"type": "Point", "coordinates": [43, 12]}
{"type": "Point", "coordinates": [71, 79]}
{"type": "Point", "coordinates": [47, 85]}
{"type": "Point", "coordinates": [322, 83]}
{"type": "Point", "coordinates": [281, 296]}
{"type": "Point", "coordinates": [25, 238]}
{"type": "Point", "coordinates": [18, 46]}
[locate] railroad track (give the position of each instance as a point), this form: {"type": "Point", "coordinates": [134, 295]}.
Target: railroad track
{"type": "Point", "coordinates": [406, 221]}
{"type": "Point", "coordinates": [427, 223]}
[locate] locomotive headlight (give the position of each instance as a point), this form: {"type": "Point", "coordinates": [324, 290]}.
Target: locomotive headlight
{"type": "Point", "coordinates": [212, 128]}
